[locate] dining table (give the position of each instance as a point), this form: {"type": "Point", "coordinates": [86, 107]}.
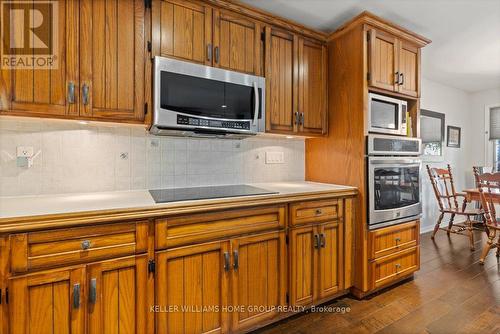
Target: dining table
{"type": "Point", "coordinates": [472, 195]}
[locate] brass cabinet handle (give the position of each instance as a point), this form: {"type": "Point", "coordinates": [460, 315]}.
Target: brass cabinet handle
{"type": "Point", "coordinates": [71, 92]}
{"type": "Point", "coordinates": [316, 241]}
{"type": "Point", "coordinates": [236, 263]}
{"type": "Point", "coordinates": [85, 94]}
{"type": "Point", "coordinates": [226, 261]}
{"type": "Point", "coordinates": [93, 291]}
{"type": "Point", "coordinates": [76, 295]}
{"type": "Point", "coordinates": [86, 244]}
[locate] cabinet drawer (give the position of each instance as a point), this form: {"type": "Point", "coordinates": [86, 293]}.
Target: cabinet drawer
{"type": "Point", "coordinates": [56, 248]}
{"type": "Point", "coordinates": [315, 211]}
{"type": "Point", "coordinates": [393, 239]}
{"type": "Point", "coordinates": [392, 267]}
{"type": "Point", "coordinates": [194, 228]}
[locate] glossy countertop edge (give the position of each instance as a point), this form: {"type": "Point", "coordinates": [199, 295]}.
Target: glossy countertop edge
{"type": "Point", "coordinates": [62, 219]}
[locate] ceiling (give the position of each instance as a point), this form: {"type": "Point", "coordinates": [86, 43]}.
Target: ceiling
{"type": "Point", "coordinates": [465, 34]}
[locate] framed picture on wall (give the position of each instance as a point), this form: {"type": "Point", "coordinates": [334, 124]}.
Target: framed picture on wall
{"type": "Point", "coordinates": [453, 135]}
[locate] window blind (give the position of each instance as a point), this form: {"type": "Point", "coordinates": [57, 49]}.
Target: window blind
{"type": "Point", "coordinates": [495, 123]}
{"type": "Point", "coordinates": [430, 129]}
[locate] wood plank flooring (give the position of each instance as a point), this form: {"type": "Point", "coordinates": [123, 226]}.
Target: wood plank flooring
{"type": "Point", "coordinates": [451, 293]}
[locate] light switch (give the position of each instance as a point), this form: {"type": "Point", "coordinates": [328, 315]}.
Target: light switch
{"type": "Point", "coordinates": [275, 157]}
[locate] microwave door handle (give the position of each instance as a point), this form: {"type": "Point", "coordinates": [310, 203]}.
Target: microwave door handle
{"type": "Point", "coordinates": [257, 102]}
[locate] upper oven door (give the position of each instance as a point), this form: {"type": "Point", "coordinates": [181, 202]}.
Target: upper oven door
{"type": "Point", "coordinates": [394, 188]}
{"type": "Point", "coordinates": [386, 115]}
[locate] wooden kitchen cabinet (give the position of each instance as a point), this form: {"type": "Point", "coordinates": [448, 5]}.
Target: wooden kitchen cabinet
{"type": "Point", "coordinates": [196, 278]}
{"type": "Point", "coordinates": [118, 296]}
{"type": "Point", "coordinates": [237, 42]}
{"type": "Point", "coordinates": [183, 29]}
{"type": "Point", "coordinates": [46, 92]}
{"type": "Point", "coordinates": [316, 262]}
{"type": "Point", "coordinates": [391, 268]}
{"type": "Point", "coordinates": [312, 96]}
{"type": "Point", "coordinates": [282, 81]}
{"type": "Point", "coordinates": [258, 278]}
{"type": "Point", "coordinates": [394, 63]}
{"type": "Point", "coordinates": [112, 59]}
{"type": "Point", "coordinates": [48, 302]}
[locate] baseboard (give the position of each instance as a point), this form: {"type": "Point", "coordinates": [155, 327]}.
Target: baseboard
{"type": "Point", "coordinates": [426, 229]}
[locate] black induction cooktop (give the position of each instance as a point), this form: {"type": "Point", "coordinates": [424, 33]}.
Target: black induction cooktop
{"type": "Point", "coordinates": [187, 194]}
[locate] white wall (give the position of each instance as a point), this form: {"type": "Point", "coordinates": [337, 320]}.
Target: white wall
{"type": "Point", "coordinates": [479, 101]}
{"type": "Point", "coordinates": [456, 105]}
{"type": "Point", "coordinates": [87, 158]}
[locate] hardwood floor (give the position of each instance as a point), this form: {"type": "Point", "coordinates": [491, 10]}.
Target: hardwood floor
{"type": "Point", "coordinates": [451, 293]}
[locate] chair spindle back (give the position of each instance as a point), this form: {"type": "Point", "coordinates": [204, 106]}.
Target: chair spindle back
{"type": "Point", "coordinates": [444, 188]}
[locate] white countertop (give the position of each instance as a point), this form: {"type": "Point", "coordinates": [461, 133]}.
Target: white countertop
{"type": "Point", "coordinates": [22, 206]}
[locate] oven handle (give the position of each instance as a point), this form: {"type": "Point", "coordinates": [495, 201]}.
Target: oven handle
{"type": "Point", "coordinates": [399, 162]}
{"type": "Point", "coordinates": [257, 104]}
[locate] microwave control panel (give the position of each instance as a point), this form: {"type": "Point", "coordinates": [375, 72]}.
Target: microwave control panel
{"type": "Point", "coordinates": [212, 123]}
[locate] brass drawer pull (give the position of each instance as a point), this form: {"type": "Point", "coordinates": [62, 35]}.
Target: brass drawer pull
{"type": "Point", "coordinates": [319, 212]}
{"type": "Point", "coordinates": [397, 241]}
{"type": "Point", "coordinates": [86, 244]}
{"type": "Point", "coordinates": [398, 266]}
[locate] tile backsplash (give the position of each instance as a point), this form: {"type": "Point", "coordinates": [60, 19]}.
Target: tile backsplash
{"type": "Point", "coordinates": [75, 157]}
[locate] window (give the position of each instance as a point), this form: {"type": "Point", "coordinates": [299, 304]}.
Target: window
{"type": "Point", "coordinates": [432, 133]}
{"type": "Point", "coordinates": [496, 155]}
{"type": "Point", "coordinates": [492, 136]}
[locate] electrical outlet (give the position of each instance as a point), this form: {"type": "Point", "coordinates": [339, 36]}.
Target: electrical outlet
{"type": "Point", "coordinates": [24, 151]}
{"type": "Point", "coordinates": [275, 157]}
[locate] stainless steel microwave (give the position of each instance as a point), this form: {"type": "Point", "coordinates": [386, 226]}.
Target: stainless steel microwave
{"type": "Point", "coordinates": [203, 101]}
{"type": "Point", "coordinates": [386, 115]}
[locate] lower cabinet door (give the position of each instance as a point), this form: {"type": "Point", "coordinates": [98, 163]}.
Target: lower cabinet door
{"type": "Point", "coordinates": [118, 295]}
{"type": "Point", "coordinates": [258, 278]}
{"type": "Point", "coordinates": [330, 259]}
{"type": "Point", "coordinates": [48, 302]}
{"type": "Point", "coordinates": [303, 255]}
{"type": "Point", "coordinates": [191, 289]}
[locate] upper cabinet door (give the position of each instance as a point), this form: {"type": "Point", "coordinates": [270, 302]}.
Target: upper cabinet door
{"type": "Point", "coordinates": [48, 302]}
{"type": "Point", "coordinates": [182, 29]}
{"type": "Point", "coordinates": [281, 81]}
{"type": "Point", "coordinates": [383, 60]}
{"type": "Point", "coordinates": [258, 278]}
{"type": "Point", "coordinates": [117, 295]}
{"type": "Point", "coordinates": [112, 59]}
{"type": "Point", "coordinates": [45, 90]}
{"type": "Point", "coordinates": [237, 43]}
{"type": "Point", "coordinates": [312, 87]}
{"type": "Point", "coordinates": [409, 63]}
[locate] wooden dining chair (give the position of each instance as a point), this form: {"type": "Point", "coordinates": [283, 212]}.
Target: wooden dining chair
{"type": "Point", "coordinates": [447, 197]}
{"type": "Point", "coordinates": [489, 186]}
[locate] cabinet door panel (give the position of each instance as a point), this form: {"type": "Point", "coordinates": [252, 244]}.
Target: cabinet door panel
{"type": "Point", "coordinates": [182, 29]}
{"type": "Point", "coordinates": [258, 277]}
{"type": "Point", "coordinates": [303, 259]}
{"type": "Point", "coordinates": [383, 60]}
{"type": "Point", "coordinates": [409, 62]}
{"type": "Point", "coordinates": [282, 82]}
{"type": "Point", "coordinates": [44, 91]}
{"type": "Point", "coordinates": [190, 282]}
{"type": "Point", "coordinates": [330, 259]}
{"type": "Point", "coordinates": [112, 57]}
{"type": "Point", "coordinates": [121, 304]}
{"type": "Point", "coordinates": [312, 87]}
{"type": "Point", "coordinates": [237, 43]}
{"type": "Point", "coordinates": [44, 302]}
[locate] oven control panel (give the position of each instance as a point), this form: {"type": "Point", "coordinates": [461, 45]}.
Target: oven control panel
{"type": "Point", "coordinates": [212, 123]}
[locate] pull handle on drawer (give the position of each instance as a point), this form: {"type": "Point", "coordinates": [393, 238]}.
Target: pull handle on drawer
{"type": "Point", "coordinates": [86, 244]}
{"type": "Point", "coordinates": [236, 263]}
{"type": "Point", "coordinates": [76, 295]}
{"type": "Point", "coordinates": [226, 261]}
{"type": "Point", "coordinates": [93, 291]}
{"type": "Point", "coordinates": [319, 212]}
{"type": "Point", "coordinates": [397, 239]}
{"type": "Point", "coordinates": [398, 266]}
{"type": "Point", "coordinates": [316, 241]}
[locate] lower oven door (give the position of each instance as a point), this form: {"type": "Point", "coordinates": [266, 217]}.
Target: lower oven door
{"type": "Point", "coordinates": [394, 190]}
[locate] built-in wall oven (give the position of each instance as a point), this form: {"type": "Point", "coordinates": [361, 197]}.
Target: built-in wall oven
{"type": "Point", "coordinates": [394, 180]}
